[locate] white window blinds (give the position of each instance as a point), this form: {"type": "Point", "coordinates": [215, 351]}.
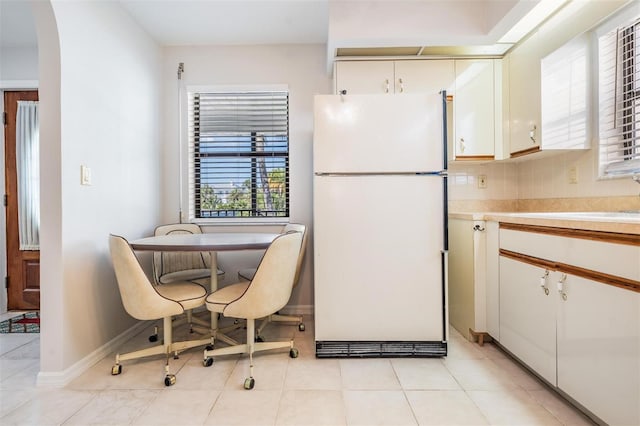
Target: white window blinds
{"type": "Point", "coordinates": [238, 154]}
{"type": "Point", "coordinates": [565, 95]}
{"type": "Point", "coordinates": [619, 96]}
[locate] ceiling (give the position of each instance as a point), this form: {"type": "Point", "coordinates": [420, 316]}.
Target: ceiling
{"type": "Point", "coordinates": [340, 24]}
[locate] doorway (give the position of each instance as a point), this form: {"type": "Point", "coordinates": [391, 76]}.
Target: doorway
{"type": "Point", "coordinates": [23, 266]}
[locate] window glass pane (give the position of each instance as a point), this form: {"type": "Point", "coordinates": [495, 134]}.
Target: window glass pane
{"type": "Point", "coordinates": [239, 154]}
{"type": "Point", "coordinates": [619, 91]}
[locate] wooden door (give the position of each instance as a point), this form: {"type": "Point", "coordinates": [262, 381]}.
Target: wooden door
{"type": "Point", "coordinates": [23, 266]}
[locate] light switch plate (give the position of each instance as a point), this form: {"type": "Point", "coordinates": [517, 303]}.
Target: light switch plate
{"type": "Point", "coordinates": [85, 175]}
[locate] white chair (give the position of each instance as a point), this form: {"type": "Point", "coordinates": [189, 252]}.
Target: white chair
{"type": "Point", "coordinates": [145, 300]}
{"type": "Point", "coordinates": [248, 274]}
{"type": "Point", "coordinates": [182, 266]}
{"type": "Point", "coordinates": [170, 267]}
{"type": "Point", "coordinates": [268, 291]}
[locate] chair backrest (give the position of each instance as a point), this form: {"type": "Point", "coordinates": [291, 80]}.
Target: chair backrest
{"type": "Point", "coordinates": [270, 289]}
{"type": "Point", "coordinates": [303, 229]}
{"type": "Point", "coordinates": [169, 262]}
{"type": "Point", "coordinates": [139, 297]}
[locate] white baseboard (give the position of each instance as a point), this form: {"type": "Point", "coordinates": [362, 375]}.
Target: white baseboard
{"type": "Point", "coordinates": [297, 310]}
{"type": "Point", "coordinates": [59, 379]}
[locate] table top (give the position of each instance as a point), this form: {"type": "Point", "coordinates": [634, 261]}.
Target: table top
{"type": "Point", "coordinates": [215, 241]}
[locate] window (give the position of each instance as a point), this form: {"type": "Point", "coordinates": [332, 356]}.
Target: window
{"type": "Point", "coordinates": [619, 94]}
{"type": "Point", "coordinates": [238, 154]}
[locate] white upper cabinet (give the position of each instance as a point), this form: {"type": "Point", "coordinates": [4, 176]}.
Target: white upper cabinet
{"type": "Point", "coordinates": [549, 82]}
{"type": "Point", "coordinates": [475, 118]}
{"type": "Point", "coordinates": [425, 77]}
{"type": "Point", "coordinates": [524, 98]}
{"type": "Point", "coordinates": [476, 98]}
{"type": "Point", "coordinates": [566, 98]}
{"type": "Point", "coordinates": [364, 77]}
{"type": "Point", "coordinates": [372, 77]}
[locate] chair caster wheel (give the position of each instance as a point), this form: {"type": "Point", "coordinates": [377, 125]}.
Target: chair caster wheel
{"type": "Point", "coordinates": [116, 369]}
{"type": "Point", "coordinates": [208, 348]}
{"type": "Point", "coordinates": [153, 338]}
{"type": "Point", "coordinates": [207, 362]}
{"type": "Point", "coordinates": [293, 353]}
{"type": "Point", "coordinates": [301, 327]}
{"type": "Point", "coordinates": [249, 383]}
{"type": "Point", "coordinates": [169, 380]}
{"type": "Point", "coordinates": [259, 338]}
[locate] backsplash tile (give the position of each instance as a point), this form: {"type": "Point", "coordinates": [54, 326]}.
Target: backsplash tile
{"type": "Point", "coordinates": [540, 184]}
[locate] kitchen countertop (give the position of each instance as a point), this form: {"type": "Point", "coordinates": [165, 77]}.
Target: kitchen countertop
{"type": "Point", "coordinates": [621, 222]}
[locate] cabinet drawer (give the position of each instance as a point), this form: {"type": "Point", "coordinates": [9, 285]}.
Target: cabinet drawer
{"type": "Point", "coordinates": [622, 260]}
{"type": "Point", "coordinates": [543, 246]}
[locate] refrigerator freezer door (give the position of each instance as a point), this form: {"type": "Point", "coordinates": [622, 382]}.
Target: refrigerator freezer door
{"type": "Point", "coordinates": [378, 261]}
{"type": "Point", "coordinates": [378, 133]}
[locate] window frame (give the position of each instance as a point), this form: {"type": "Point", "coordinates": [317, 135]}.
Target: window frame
{"type": "Point", "coordinates": [621, 169]}
{"type": "Point", "coordinates": [188, 166]}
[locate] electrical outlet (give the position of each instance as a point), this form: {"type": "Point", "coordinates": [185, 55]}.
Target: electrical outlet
{"type": "Point", "coordinates": [573, 174]}
{"type": "Point", "coordinates": [482, 181]}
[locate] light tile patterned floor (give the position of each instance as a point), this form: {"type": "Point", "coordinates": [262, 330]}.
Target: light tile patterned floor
{"type": "Point", "coordinates": [473, 385]}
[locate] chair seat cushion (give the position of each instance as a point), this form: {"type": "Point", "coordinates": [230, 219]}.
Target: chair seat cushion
{"type": "Point", "coordinates": [189, 295]}
{"type": "Point", "coordinates": [187, 275]}
{"type": "Point", "coordinates": [218, 300]}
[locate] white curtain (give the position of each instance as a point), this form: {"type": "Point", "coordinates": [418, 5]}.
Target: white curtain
{"type": "Point", "coordinates": [28, 171]}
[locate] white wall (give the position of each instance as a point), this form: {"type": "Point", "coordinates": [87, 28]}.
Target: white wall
{"type": "Point", "coordinates": [19, 63]}
{"type": "Point", "coordinates": [101, 110]}
{"type": "Point", "coordinates": [302, 68]}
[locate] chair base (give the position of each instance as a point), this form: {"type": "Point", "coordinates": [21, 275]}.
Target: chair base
{"type": "Point", "coordinates": [280, 319]}
{"type": "Point", "coordinates": [248, 348]}
{"type": "Point", "coordinates": [168, 347]}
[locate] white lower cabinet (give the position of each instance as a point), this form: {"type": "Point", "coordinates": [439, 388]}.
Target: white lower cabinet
{"type": "Point", "coordinates": [467, 307]}
{"type": "Point", "coordinates": [598, 335]}
{"type": "Point", "coordinates": [575, 322]}
{"type": "Point", "coordinates": [492, 291]}
{"type": "Point", "coordinates": [528, 317]}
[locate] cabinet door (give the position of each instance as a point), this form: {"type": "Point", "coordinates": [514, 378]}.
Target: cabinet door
{"type": "Point", "coordinates": [528, 317]}
{"type": "Point", "coordinates": [473, 109]}
{"type": "Point", "coordinates": [599, 349]}
{"type": "Point", "coordinates": [524, 96]}
{"type": "Point", "coordinates": [365, 77]}
{"type": "Point", "coordinates": [493, 280]}
{"type": "Point", "coordinates": [461, 276]}
{"type": "Point", "coordinates": [428, 77]}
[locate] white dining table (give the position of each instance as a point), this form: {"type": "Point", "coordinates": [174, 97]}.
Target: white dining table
{"type": "Point", "coordinates": [211, 242]}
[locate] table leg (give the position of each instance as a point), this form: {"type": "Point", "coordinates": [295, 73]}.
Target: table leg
{"type": "Point", "coordinates": [217, 333]}
{"type": "Point", "coordinates": [214, 286]}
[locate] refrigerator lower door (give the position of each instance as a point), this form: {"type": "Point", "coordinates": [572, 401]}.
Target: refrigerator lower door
{"type": "Point", "coordinates": [378, 259]}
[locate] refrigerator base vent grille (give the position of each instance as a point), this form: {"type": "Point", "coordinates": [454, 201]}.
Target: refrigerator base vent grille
{"type": "Point", "coordinates": [345, 349]}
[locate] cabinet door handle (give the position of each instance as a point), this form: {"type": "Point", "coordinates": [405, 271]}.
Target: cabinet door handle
{"type": "Point", "coordinates": [543, 282]}
{"type": "Point", "coordinates": [461, 144]}
{"type": "Point", "coordinates": [386, 89]}
{"type": "Point", "coordinates": [401, 85]}
{"type": "Point", "coordinates": [561, 287]}
{"type": "Point", "coordinates": [532, 134]}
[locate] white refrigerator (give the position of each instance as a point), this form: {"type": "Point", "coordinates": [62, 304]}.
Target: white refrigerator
{"type": "Point", "coordinates": [380, 225]}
